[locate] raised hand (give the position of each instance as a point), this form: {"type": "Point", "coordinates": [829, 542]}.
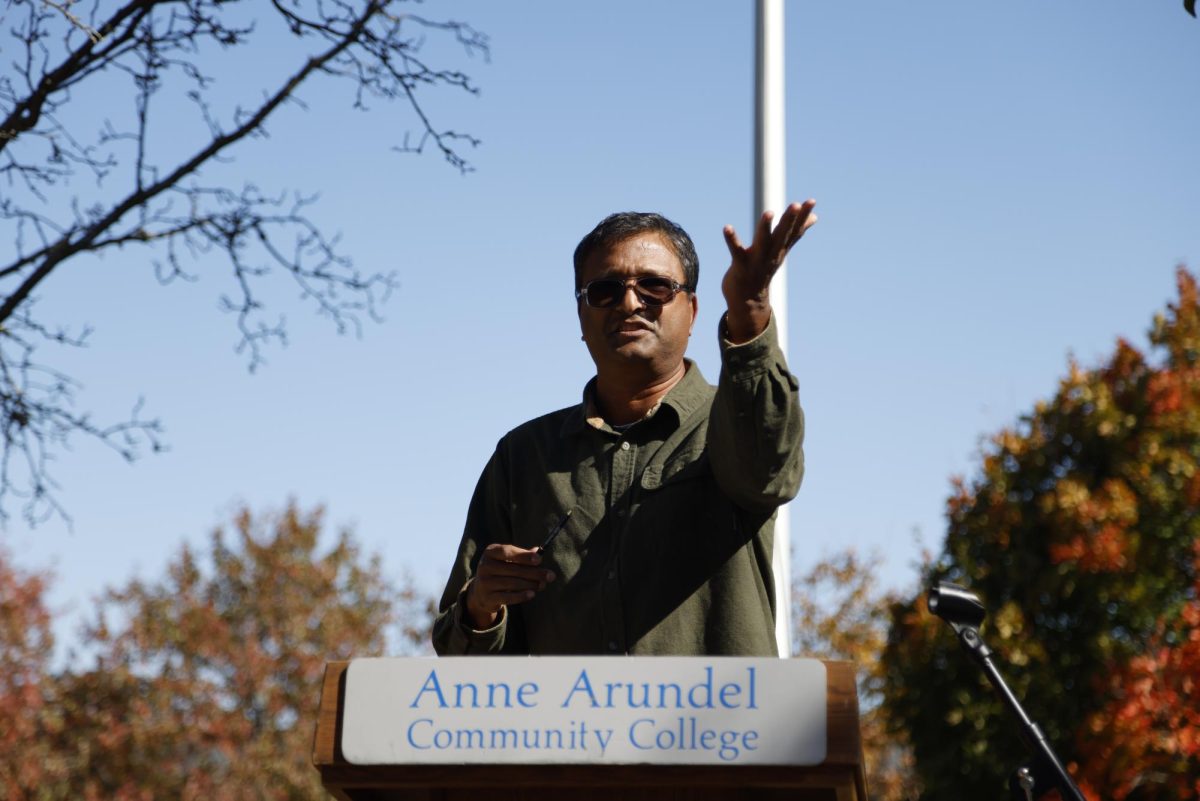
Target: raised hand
{"type": "Point", "coordinates": [747, 283]}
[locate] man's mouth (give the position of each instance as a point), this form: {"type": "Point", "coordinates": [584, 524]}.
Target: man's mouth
{"type": "Point", "coordinates": [633, 326]}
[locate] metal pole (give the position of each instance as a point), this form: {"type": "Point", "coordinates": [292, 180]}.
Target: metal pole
{"type": "Point", "coordinates": [770, 194]}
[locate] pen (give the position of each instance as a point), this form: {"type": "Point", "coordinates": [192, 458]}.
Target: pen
{"type": "Point", "coordinates": [557, 530]}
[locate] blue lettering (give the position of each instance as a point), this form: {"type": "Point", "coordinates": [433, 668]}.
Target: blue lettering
{"type": "Point", "coordinates": [633, 740]}
{"type": "Point", "coordinates": [458, 695]}
{"type": "Point", "coordinates": [707, 687]}
{"type": "Point", "coordinates": [431, 685]}
{"type": "Point", "coordinates": [527, 687]}
{"type": "Point", "coordinates": [582, 684]}
{"type": "Point", "coordinates": [666, 742]}
{"type": "Point", "coordinates": [728, 750]}
{"type": "Point", "coordinates": [662, 696]}
{"type": "Point", "coordinates": [412, 726]}
{"type": "Point", "coordinates": [468, 739]}
{"type": "Point", "coordinates": [492, 695]}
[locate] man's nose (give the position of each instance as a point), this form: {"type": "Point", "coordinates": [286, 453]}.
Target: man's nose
{"type": "Point", "coordinates": [630, 300]}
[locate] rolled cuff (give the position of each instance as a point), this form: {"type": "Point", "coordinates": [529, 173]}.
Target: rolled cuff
{"type": "Point", "coordinates": [466, 640]}
{"type": "Point", "coordinates": [749, 358]}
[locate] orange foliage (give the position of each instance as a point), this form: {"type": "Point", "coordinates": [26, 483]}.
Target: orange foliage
{"type": "Point", "coordinates": [1079, 530]}
{"type": "Point", "coordinates": [1164, 392]}
{"type": "Point", "coordinates": [1103, 550]}
{"type": "Point", "coordinates": [838, 612]}
{"type": "Point", "coordinates": [1093, 527]}
{"type": "Point", "coordinates": [1148, 737]}
{"type": "Point", "coordinates": [25, 693]}
{"type": "Point", "coordinates": [205, 684]}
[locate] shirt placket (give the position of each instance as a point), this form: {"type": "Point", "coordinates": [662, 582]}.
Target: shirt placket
{"type": "Point", "coordinates": [624, 463]}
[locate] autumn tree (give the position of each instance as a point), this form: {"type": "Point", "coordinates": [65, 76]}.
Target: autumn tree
{"type": "Point", "coordinates": [1145, 741]}
{"type": "Point", "coordinates": [27, 702]}
{"type": "Point", "coordinates": [839, 611]}
{"type": "Point", "coordinates": [113, 129]}
{"type": "Point", "coordinates": [1080, 534]}
{"type": "Point", "coordinates": [206, 682]}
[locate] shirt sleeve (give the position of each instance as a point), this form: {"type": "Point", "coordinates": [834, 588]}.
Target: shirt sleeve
{"type": "Point", "coordinates": [756, 428]}
{"type": "Point", "coordinates": [487, 522]}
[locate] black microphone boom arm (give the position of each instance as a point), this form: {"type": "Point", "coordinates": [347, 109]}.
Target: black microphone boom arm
{"type": "Point", "coordinates": [963, 610]}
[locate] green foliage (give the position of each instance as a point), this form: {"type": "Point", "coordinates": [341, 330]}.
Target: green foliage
{"type": "Point", "coordinates": [1079, 534]}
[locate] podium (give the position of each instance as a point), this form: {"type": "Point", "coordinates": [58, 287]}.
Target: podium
{"type": "Point", "coordinates": [839, 777]}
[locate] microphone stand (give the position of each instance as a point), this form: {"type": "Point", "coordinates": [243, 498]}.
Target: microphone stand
{"type": "Point", "coordinates": [963, 611]}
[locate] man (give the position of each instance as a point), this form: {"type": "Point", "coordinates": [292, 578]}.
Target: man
{"type": "Point", "coordinates": [640, 521]}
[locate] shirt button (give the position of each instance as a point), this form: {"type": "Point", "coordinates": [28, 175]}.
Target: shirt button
{"type": "Point", "coordinates": [624, 446]}
{"type": "Point", "coordinates": [620, 513]}
{"type": "Point", "coordinates": [612, 574]}
{"type": "Point", "coordinates": [612, 646]}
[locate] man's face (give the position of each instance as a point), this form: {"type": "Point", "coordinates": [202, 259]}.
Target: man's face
{"type": "Point", "coordinates": [631, 336]}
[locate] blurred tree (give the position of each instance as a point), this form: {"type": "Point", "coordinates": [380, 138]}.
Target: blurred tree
{"type": "Point", "coordinates": [206, 683]}
{"type": "Point", "coordinates": [839, 612]}
{"type": "Point", "coordinates": [27, 705]}
{"type": "Point", "coordinates": [1080, 534]}
{"type": "Point", "coordinates": [1145, 743]}
{"type": "Point", "coordinates": [137, 171]}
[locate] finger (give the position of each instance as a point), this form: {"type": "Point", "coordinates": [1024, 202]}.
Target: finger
{"type": "Point", "coordinates": [788, 230]}
{"type": "Point", "coordinates": [809, 222]}
{"type": "Point", "coordinates": [801, 217]}
{"type": "Point", "coordinates": [762, 234]}
{"type": "Point", "coordinates": [490, 585]}
{"type": "Point", "coordinates": [512, 598]}
{"type": "Point", "coordinates": [505, 552]}
{"type": "Point", "coordinates": [801, 213]}
{"type": "Point", "coordinates": [805, 215]}
{"type": "Point", "coordinates": [732, 241]}
{"type": "Point", "coordinates": [491, 599]}
{"type": "Point", "coordinates": [491, 570]}
{"type": "Point", "coordinates": [494, 592]}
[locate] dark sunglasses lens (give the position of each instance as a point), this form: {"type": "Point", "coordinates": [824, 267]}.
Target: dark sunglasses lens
{"type": "Point", "coordinates": [606, 292]}
{"type": "Point", "coordinates": [655, 291]}
{"type": "Point", "coordinates": [603, 293]}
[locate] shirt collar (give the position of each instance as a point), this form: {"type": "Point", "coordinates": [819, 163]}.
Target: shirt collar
{"type": "Point", "coordinates": [682, 399]}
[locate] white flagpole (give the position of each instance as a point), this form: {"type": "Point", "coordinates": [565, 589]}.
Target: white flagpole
{"type": "Point", "coordinates": [770, 194]}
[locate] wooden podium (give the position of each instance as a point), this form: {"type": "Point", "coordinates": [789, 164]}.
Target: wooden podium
{"type": "Point", "coordinates": [839, 778]}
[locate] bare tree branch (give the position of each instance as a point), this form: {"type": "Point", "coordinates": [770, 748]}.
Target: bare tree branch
{"type": "Point", "coordinates": [65, 10]}
{"type": "Point", "coordinates": [144, 194]}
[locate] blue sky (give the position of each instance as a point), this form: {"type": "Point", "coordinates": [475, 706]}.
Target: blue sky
{"type": "Point", "coordinates": [1000, 186]}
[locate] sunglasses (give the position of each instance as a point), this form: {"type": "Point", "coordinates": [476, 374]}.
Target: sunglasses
{"type": "Point", "coordinates": [652, 290]}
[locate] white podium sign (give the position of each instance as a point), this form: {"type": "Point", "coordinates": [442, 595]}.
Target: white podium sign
{"type": "Point", "coordinates": [585, 710]}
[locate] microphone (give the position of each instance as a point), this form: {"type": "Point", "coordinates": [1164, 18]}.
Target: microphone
{"type": "Point", "coordinates": [956, 605]}
{"type": "Point", "coordinates": [963, 610]}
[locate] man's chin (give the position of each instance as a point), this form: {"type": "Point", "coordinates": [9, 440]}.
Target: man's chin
{"type": "Point", "coordinates": [633, 350]}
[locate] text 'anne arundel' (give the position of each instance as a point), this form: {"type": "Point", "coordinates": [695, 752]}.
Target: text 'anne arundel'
{"type": "Point", "coordinates": [585, 693]}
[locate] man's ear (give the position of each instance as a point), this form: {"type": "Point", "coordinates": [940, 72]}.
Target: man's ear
{"type": "Point", "coordinates": [695, 311]}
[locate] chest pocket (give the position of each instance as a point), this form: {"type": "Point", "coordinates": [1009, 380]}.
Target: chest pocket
{"type": "Point", "coordinates": [680, 467]}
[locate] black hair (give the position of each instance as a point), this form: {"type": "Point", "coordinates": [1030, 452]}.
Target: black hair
{"type": "Point", "coordinates": [621, 226]}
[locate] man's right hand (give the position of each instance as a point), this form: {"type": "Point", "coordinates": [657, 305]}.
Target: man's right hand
{"type": "Point", "coordinates": [506, 575]}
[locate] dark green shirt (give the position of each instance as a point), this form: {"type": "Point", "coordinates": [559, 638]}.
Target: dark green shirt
{"type": "Point", "coordinates": [668, 548]}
